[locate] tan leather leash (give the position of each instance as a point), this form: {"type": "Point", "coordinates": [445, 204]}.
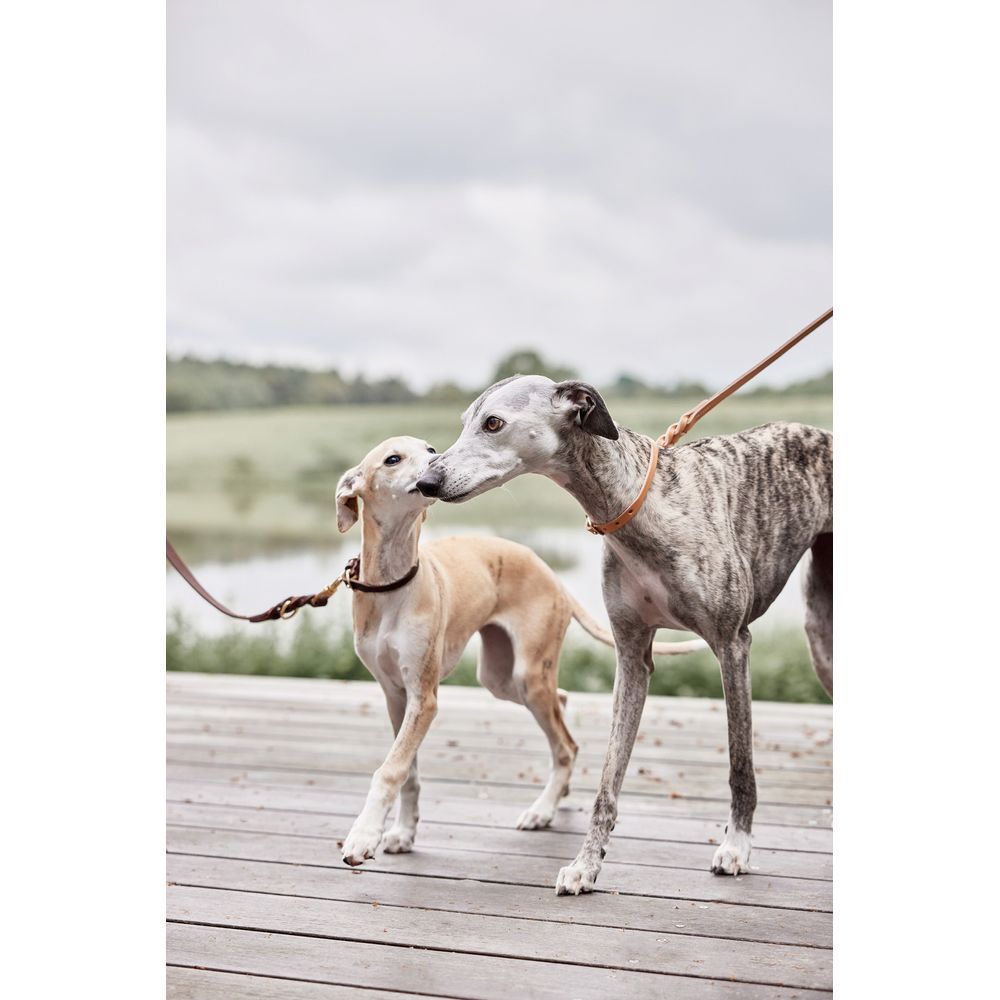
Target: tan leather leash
{"type": "Point", "coordinates": [677, 430]}
{"type": "Point", "coordinates": [288, 607]}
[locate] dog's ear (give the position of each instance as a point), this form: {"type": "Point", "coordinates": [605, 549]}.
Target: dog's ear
{"type": "Point", "coordinates": [591, 412]}
{"type": "Point", "coordinates": [351, 483]}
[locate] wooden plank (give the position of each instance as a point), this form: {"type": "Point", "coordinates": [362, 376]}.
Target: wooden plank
{"type": "Point", "coordinates": [237, 787]}
{"type": "Point", "coordinates": [645, 771]}
{"type": "Point", "coordinates": [496, 840]}
{"type": "Point", "coordinates": [481, 977]}
{"type": "Point", "coordinates": [473, 726]}
{"type": "Point", "coordinates": [199, 984]}
{"type": "Point", "coordinates": [660, 802]}
{"type": "Point", "coordinates": [701, 762]}
{"type": "Point", "coordinates": [504, 937]}
{"type": "Point", "coordinates": [667, 883]}
{"type": "Point", "coordinates": [764, 925]}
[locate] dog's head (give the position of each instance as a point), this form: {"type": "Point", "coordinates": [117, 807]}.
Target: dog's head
{"type": "Point", "coordinates": [518, 425]}
{"type": "Point", "coordinates": [386, 478]}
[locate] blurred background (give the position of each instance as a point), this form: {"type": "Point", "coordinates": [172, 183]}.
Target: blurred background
{"type": "Point", "coordinates": [377, 209]}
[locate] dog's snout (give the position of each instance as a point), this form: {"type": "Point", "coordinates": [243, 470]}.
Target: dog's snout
{"type": "Point", "coordinates": [431, 482]}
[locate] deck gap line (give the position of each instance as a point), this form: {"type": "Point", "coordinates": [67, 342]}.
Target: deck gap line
{"type": "Point", "coordinates": [506, 956]}
{"type": "Point", "coordinates": [493, 881]}
{"type": "Point", "coordinates": [471, 850]}
{"type": "Point", "coordinates": [478, 783]}
{"type": "Point", "coordinates": [503, 916]}
{"type": "Point", "coordinates": [467, 823]}
{"type": "Point", "coordinates": [315, 982]}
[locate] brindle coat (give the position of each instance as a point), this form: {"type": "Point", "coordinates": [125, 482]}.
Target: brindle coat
{"type": "Point", "coordinates": [726, 521]}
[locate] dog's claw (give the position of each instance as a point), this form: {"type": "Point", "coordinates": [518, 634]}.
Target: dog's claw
{"type": "Point", "coordinates": [732, 857]}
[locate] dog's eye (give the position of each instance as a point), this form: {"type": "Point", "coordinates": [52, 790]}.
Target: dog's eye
{"type": "Point", "coordinates": [393, 460]}
{"type": "Point", "coordinates": [493, 424]}
{"type": "Point", "coordinates": [432, 451]}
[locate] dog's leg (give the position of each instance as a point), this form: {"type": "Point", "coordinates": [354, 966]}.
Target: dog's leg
{"type": "Point", "coordinates": [388, 780]}
{"type": "Point", "coordinates": [542, 699]}
{"type": "Point", "coordinates": [733, 854]}
{"type": "Point", "coordinates": [818, 588]}
{"type": "Point", "coordinates": [633, 646]}
{"type": "Point", "coordinates": [399, 839]}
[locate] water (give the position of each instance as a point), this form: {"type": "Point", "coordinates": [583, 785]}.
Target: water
{"type": "Point", "coordinates": [254, 584]}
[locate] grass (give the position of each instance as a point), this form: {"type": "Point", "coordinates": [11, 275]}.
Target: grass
{"type": "Point", "coordinates": [781, 667]}
{"type": "Point", "coordinates": [266, 478]}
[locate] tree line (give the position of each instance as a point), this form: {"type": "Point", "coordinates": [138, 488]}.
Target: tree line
{"type": "Point", "coordinates": [194, 384]}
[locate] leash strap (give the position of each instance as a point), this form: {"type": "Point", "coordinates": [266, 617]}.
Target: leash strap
{"type": "Point", "coordinates": [288, 607]}
{"type": "Point", "coordinates": [677, 430]}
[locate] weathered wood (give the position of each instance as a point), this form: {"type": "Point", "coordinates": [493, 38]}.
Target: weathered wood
{"type": "Point", "coordinates": [465, 804]}
{"type": "Point", "coordinates": [666, 883]}
{"type": "Point", "coordinates": [265, 775]}
{"type": "Point", "coordinates": [762, 924]}
{"type": "Point", "coordinates": [504, 937]}
{"type": "Point", "coordinates": [199, 984]}
{"type": "Point", "coordinates": [478, 977]}
{"type": "Point", "coordinates": [496, 840]}
{"type": "Point", "coordinates": [700, 761]}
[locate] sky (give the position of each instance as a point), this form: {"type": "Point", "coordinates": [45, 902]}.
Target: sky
{"type": "Point", "coordinates": [415, 189]}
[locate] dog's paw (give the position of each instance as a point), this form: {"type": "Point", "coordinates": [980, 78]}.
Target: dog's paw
{"type": "Point", "coordinates": [733, 855]}
{"type": "Point", "coordinates": [576, 878]}
{"type": "Point", "coordinates": [361, 844]}
{"type": "Point", "coordinates": [399, 840]}
{"type": "Point", "coordinates": [535, 818]}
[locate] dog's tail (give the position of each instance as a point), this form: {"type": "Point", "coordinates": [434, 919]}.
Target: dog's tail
{"type": "Point", "coordinates": [592, 628]}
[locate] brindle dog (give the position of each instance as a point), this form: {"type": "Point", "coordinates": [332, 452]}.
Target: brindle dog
{"type": "Point", "coordinates": [726, 521]}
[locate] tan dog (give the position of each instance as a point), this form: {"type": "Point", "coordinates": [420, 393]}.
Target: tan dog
{"type": "Point", "coordinates": [412, 637]}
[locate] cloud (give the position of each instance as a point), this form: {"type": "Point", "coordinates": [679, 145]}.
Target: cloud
{"type": "Point", "coordinates": [416, 189]}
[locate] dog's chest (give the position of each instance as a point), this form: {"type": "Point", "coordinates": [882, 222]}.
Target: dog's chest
{"type": "Point", "coordinates": [645, 592]}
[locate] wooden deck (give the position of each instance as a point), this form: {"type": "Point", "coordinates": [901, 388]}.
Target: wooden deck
{"type": "Point", "coordinates": [265, 775]}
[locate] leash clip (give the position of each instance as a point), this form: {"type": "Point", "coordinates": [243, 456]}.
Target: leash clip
{"type": "Point", "coordinates": [284, 611]}
{"type": "Point", "coordinates": [592, 528]}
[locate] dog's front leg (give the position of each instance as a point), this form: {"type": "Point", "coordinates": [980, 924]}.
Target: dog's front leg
{"type": "Point", "coordinates": [733, 855]}
{"type": "Point", "coordinates": [399, 839]}
{"type": "Point", "coordinates": [635, 664]}
{"type": "Point", "coordinates": [388, 780]}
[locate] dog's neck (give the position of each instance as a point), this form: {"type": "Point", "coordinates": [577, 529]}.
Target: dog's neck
{"type": "Point", "coordinates": [388, 545]}
{"type": "Point", "coordinates": [604, 476]}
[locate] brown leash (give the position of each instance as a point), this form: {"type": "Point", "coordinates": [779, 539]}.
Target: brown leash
{"type": "Point", "coordinates": [677, 430]}
{"type": "Point", "coordinates": [288, 607]}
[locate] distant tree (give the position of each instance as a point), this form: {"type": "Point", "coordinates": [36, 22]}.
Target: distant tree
{"type": "Point", "coordinates": [628, 387]}
{"type": "Point", "coordinates": [448, 392]}
{"type": "Point", "coordinates": [528, 362]}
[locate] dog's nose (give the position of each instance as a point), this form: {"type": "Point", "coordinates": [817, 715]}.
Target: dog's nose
{"type": "Point", "coordinates": [430, 484]}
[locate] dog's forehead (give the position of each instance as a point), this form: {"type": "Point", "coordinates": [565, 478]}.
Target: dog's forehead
{"type": "Point", "coordinates": [512, 394]}
{"type": "Point", "coordinates": [400, 443]}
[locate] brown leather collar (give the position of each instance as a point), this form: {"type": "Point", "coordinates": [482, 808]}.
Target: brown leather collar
{"type": "Point", "coordinates": [633, 508]}
{"type": "Point", "coordinates": [353, 568]}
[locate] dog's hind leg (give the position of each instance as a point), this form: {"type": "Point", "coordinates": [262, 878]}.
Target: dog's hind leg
{"type": "Point", "coordinates": [399, 839]}
{"type": "Point", "coordinates": [537, 683]}
{"type": "Point", "coordinates": [633, 645]}
{"type": "Point", "coordinates": [818, 590]}
{"type": "Point", "coordinates": [733, 854]}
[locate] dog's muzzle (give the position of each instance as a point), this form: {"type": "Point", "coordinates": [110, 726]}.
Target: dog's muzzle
{"type": "Point", "coordinates": [431, 482]}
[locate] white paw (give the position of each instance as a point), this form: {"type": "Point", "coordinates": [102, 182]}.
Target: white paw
{"type": "Point", "coordinates": [361, 844]}
{"type": "Point", "coordinates": [535, 818]}
{"type": "Point", "coordinates": [733, 855]}
{"type": "Point", "coordinates": [576, 878]}
{"type": "Point", "coordinates": [398, 840]}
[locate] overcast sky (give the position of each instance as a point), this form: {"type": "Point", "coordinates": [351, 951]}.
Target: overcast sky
{"type": "Point", "coordinates": [418, 188]}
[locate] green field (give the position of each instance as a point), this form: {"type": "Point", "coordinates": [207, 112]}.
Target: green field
{"type": "Point", "coordinates": [253, 479]}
